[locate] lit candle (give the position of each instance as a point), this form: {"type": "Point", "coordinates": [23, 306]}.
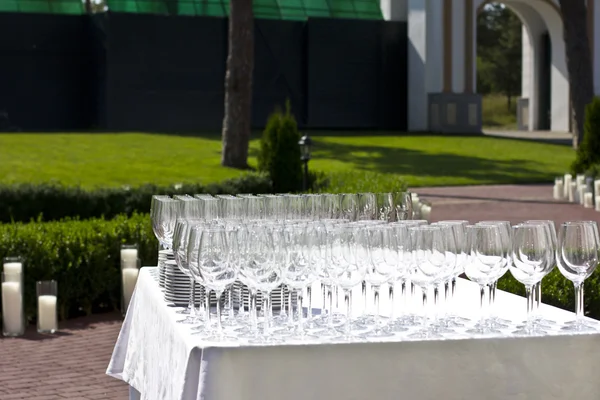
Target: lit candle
{"type": "Point", "coordinates": [129, 258]}
{"type": "Point", "coordinates": [130, 276]}
{"type": "Point", "coordinates": [47, 313]}
{"type": "Point", "coordinates": [12, 307]}
{"type": "Point", "coordinates": [13, 271]}
{"type": "Point", "coordinates": [559, 190]}
{"type": "Point", "coordinates": [588, 200]}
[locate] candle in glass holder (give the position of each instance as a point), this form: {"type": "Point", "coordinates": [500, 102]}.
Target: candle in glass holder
{"type": "Point", "coordinates": [581, 194]}
{"type": "Point", "coordinates": [559, 190]}
{"type": "Point", "coordinates": [47, 321]}
{"type": "Point", "coordinates": [13, 270]}
{"type": "Point", "coordinates": [567, 180]}
{"type": "Point", "coordinates": [598, 203]}
{"type": "Point", "coordinates": [572, 194]}
{"type": "Point", "coordinates": [130, 276]}
{"type": "Point", "coordinates": [12, 306]}
{"type": "Point", "coordinates": [425, 212]}
{"type": "Point", "coordinates": [588, 200]}
{"type": "Point", "coordinates": [129, 255]}
{"type": "Point", "coordinates": [580, 180]}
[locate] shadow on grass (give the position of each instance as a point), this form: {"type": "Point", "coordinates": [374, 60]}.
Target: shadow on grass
{"type": "Point", "coordinates": [418, 163]}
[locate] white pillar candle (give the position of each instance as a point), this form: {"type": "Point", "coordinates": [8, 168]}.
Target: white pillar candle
{"type": "Point", "coordinates": [47, 313]}
{"type": "Point", "coordinates": [588, 200]}
{"type": "Point", "coordinates": [580, 180]}
{"type": "Point", "coordinates": [559, 191]}
{"type": "Point", "coordinates": [13, 271]}
{"type": "Point", "coordinates": [571, 195]}
{"type": "Point", "coordinates": [12, 307]}
{"type": "Point", "coordinates": [130, 276]}
{"type": "Point", "coordinates": [567, 184]}
{"type": "Point", "coordinates": [425, 212]}
{"type": "Point", "coordinates": [598, 203]}
{"type": "Point", "coordinates": [581, 194]}
{"type": "Point", "coordinates": [129, 258]}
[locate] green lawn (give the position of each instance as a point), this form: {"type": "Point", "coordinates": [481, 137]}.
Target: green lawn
{"type": "Point", "coordinates": [496, 113]}
{"type": "Point", "coordinates": [93, 160]}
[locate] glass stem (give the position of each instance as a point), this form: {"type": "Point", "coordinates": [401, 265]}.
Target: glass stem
{"type": "Point", "coordinates": [376, 298]}
{"type": "Point", "coordinates": [290, 305]}
{"type": "Point", "coordinates": [391, 299]}
{"type": "Point", "coordinates": [492, 288]}
{"type": "Point", "coordinates": [230, 311]}
{"type": "Point", "coordinates": [411, 299]}
{"type": "Point", "coordinates": [579, 305]}
{"type": "Point", "coordinates": [330, 296]}
{"type": "Point", "coordinates": [218, 295]}
{"type": "Point", "coordinates": [300, 328]}
{"type": "Point", "coordinates": [538, 298]}
{"type": "Point", "coordinates": [253, 310]}
{"type": "Point", "coordinates": [308, 302]}
{"type": "Point", "coordinates": [425, 316]}
{"type": "Point", "coordinates": [529, 294]}
{"type": "Point", "coordinates": [207, 321]}
{"type": "Point", "coordinates": [266, 306]}
{"type": "Point", "coordinates": [348, 301]}
{"type": "Point", "coordinates": [403, 296]}
{"type": "Point", "coordinates": [483, 317]}
{"type": "Point", "coordinates": [191, 305]}
{"type": "Point", "coordinates": [324, 304]}
{"type": "Point", "coordinates": [282, 313]}
{"type": "Point", "coordinates": [364, 295]}
{"type": "Point", "coordinates": [447, 298]}
{"type": "Point", "coordinates": [436, 303]}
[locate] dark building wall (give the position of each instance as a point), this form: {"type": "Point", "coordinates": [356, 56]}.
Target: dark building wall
{"type": "Point", "coordinates": [127, 72]}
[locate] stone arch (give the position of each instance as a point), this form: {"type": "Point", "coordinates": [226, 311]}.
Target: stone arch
{"type": "Point", "coordinates": [537, 16]}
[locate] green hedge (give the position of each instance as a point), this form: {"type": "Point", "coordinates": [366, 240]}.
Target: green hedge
{"type": "Point", "coordinates": [82, 256]}
{"type": "Point", "coordinates": [53, 202]}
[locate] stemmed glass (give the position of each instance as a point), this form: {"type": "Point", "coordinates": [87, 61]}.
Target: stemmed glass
{"type": "Point", "coordinates": [367, 206]}
{"type": "Point", "coordinates": [349, 206]}
{"type": "Point", "coordinates": [180, 247]}
{"type": "Point", "coordinates": [347, 271]}
{"type": "Point", "coordinates": [163, 215]}
{"type": "Point", "coordinates": [486, 258]}
{"type": "Point", "coordinates": [382, 263]}
{"type": "Point", "coordinates": [429, 246]}
{"type": "Point", "coordinates": [532, 256]}
{"type": "Point", "coordinates": [576, 258]}
{"type": "Point", "coordinates": [537, 289]}
{"type": "Point", "coordinates": [402, 202]}
{"type": "Point", "coordinates": [218, 266]}
{"type": "Point", "coordinates": [401, 239]}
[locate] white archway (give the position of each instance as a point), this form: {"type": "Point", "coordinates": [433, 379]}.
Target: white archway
{"type": "Point", "coordinates": [539, 16]}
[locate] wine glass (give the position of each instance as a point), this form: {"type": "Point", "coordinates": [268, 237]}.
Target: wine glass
{"type": "Point", "coordinates": [486, 258]}
{"type": "Point", "coordinates": [180, 247]}
{"type": "Point", "coordinates": [402, 203]}
{"type": "Point", "coordinates": [367, 206]}
{"type": "Point", "coordinates": [349, 206]}
{"type": "Point", "coordinates": [346, 270]}
{"type": "Point", "coordinates": [532, 256]}
{"type": "Point", "coordinates": [163, 216]}
{"type": "Point", "coordinates": [537, 289]}
{"type": "Point", "coordinates": [576, 258]}
{"type": "Point", "coordinates": [218, 266]}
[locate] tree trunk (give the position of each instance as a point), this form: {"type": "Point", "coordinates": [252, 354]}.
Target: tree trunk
{"type": "Point", "coordinates": [579, 61]}
{"type": "Point", "coordinates": [238, 85]}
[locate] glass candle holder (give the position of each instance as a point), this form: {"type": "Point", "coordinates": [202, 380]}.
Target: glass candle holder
{"type": "Point", "coordinates": [13, 318]}
{"type": "Point", "coordinates": [12, 265]}
{"type": "Point", "coordinates": [129, 275]}
{"type": "Point", "coordinates": [47, 320]}
{"type": "Point", "coordinates": [129, 256]}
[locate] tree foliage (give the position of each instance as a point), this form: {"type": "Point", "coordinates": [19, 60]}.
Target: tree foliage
{"type": "Point", "coordinates": [499, 51]}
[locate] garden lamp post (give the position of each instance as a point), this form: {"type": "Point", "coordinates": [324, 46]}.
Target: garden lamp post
{"type": "Point", "coordinates": [305, 144]}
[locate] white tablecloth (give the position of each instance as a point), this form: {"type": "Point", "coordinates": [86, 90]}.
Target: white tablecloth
{"type": "Point", "coordinates": [162, 360]}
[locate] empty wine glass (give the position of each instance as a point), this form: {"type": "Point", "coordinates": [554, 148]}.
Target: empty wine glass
{"type": "Point", "coordinates": [367, 206]}
{"type": "Point", "coordinates": [163, 216]}
{"type": "Point", "coordinates": [532, 257]}
{"type": "Point", "coordinates": [576, 258]}
{"type": "Point", "coordinates": [218, 266]}
{"type": "Point", "coordinates": [402, 202]}
{"type": "Point", "coordinates": [486, 258]}
{"type": "Point", "coordinates": [180, 248]}
{"type": "Point", "coordinates": [537, 289]}
{"type": "Point", "coordinates": [349, 206]}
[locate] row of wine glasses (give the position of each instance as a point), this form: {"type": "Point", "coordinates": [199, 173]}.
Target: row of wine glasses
{"type": "Point", "coordinates": [272, 240]}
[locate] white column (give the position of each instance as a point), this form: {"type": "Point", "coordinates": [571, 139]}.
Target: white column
{"type": "Point", "coordinates": [424, 59]}
{"type": "Point", "coordinates": [526, 60]}
{"type": "Point", "coordinates": [394, 10]}
{"type": "Point", "coordinates": [458, 46]}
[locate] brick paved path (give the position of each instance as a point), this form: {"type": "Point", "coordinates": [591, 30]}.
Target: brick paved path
{"type": "Point", "coordinates": [72, 364]}
{"type": "Point", "coordinates": [68, 365]}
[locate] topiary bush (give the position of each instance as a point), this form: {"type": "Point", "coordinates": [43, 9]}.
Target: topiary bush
{"type": "Point", "coordinates": [279, 154]}
{"type": "Point", "coordinates": [588, 152]}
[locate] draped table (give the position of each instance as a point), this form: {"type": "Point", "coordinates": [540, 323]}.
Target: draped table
{"type": "Point", "coordinates": [161, 359]}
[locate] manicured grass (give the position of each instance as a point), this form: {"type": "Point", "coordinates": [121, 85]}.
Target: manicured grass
{"type": "Point", "coordinates": [496, 114]}
{"type": "Point", "coordinates": [94, 160]}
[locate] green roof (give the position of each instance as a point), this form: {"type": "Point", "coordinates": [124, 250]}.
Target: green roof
{"type": "Point", "coordinates": [274, 9]}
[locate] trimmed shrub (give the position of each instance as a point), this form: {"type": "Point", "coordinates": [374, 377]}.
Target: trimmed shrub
{"type": "Point", "coordinates": [51, 202]}
{"type": "Point", "coordinates": [588, 152]}
{"type": "Point", "coordinates": [82, 256]}
{"type": "Point", "coordinates": [279, 154]}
